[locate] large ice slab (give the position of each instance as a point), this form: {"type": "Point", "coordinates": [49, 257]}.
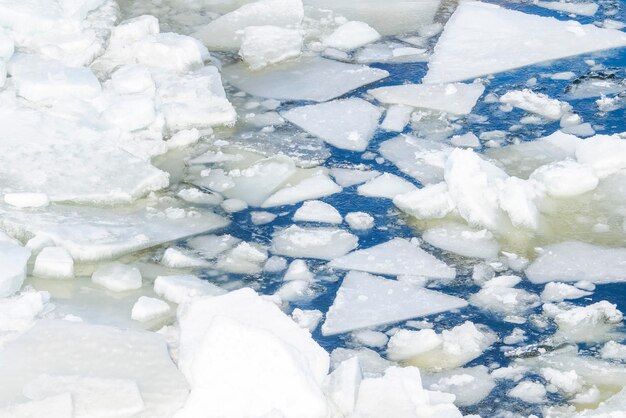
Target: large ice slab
{"type": "Point", "coordinates": [69, 161]}
{"type": "Point", "coordinates": [396, 257]}
{"type": "Point", "coordinates": [244, 357]}
{"type": "Point", "coordinates": [91, 234]}
{"type": "Point", "coordinates": [316, 79]}
{"type": "Point", "coordinates": [56, 357]}
{"type": "Point", "coordinates": [346, 124]}
{"type": "Point", "coordinates": [575, 261]}
{"type": "Point", "coordinates": [457, 98]}
{"type": "Point", "coordinates": [364, 300]}
{"type": "Point", "coordinates": [479, 37]}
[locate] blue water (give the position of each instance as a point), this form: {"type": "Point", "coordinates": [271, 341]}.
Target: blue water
{"type": "Point", "coordinates": [389, 222]}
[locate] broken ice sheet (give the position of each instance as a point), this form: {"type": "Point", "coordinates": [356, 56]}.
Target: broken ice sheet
{"type": "Point", "coordinates": [315, 79]}
{"type": "Point", "coordinates": [92, 234]}
{"type": "Point", "coordinates": [396, 257]}
{"type": "Point", "coordinates": [364, 301]}
{"type": "Point", "coordinates": [479, 37]}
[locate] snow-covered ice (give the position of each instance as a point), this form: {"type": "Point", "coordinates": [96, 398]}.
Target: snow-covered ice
{"type": "Point", "coordinates": [179, 289]}
{"type": "Point", "coordinates": [322, 243]}
{"type": "Point", "coordinates": [317, 211]}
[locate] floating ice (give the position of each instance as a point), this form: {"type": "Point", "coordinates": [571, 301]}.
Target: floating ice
{"type": "Point", "coordinates": [317, 211]}
{"type": "Point", "coordinates": [265, 45]}
{"type": "Point", "coordinates": [346, 124]}
{"type": "Point", "coordinates": [55, 357]}
{"type": "Point", "coordinates": [322, 243]}
{"type": "Point", "coordinates": [419, 158]}
{"type": "Point", "coordinates": [179, 289]}
{"type": "Point", "coordinates": [565, 178]}
{"type": "Point", "coordinates": [528, 391]}
{"type": "Point", "coordinates": [364, 301]}
{"type": "Point", "coordinates": [148, 309]}
{"type": "Point", "coordinates": [396, 118]}
{"type": "Point", "coordinates": [180, 258]}
{"type": "Point", "coordinates": [342, 386]}
{"type": "Point", "coordinates": [244, 357]}
{"type": "Point", "coordinates": [245, 258]}
{"type": "Point", "coordinates": [117, 277]}
{"type": "Point", "coordinates": [396, 257]}
{"type": "Point", "coordinates": [470, 385]}
{"type": "Point", "coordinates": [582, 9]}
{"type": "Point", "coordinates": [13, 259]}
{"type": "Point", "coordinates": [360, 220]}
{"type": "Point", "coordinates": [462, 240]}
{"type": "Point", "coordinates": [430, 202]}
{"type": "Point", "coordinates": [346, 177]}
{"type": "Point", "coordinates": [573, 261]}
{"type": "Point", "coordinates": [18, 312]}
{"type": "Point", "coordinates": [54, 263]}
{"type": "Point", "coordinates": [316, 186]}
{"type": "Point", "coordinates": [352, 35]}
{"type": "Point", "coordinates": [386, 185]}
{"type": "Point", "coordinates": [226, 32]}
{"type": "Point", "coordinates": [456, 98]}
{"type": "Point", "coordinates": [478, 38]}
{"type": "Point", "coordinates": [591, 323]}
{"type": "Point", "coordinates": [315, 79]}
{"type": "Point", "coordinates": [537, 103]}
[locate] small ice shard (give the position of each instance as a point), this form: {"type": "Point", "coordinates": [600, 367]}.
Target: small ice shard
{"type": "Point", "coordinates": [419, 158]}
{"type": "Point", "coordinates": [244, 357]}
{"type": "Point", "coordinates": [226, 32]}
{"type": "Point", "coordinates": [316, 79]}
{"type": "Point", "coordinates": [360, 221]}
{"type": "Point", "coordinates": [578, 8]}
{"type": "Point", "coordinates": [317, 211]}
{"type": "Point", "coordinates": [364, 301]}
{"type": "Point", "coordinates": [322, 243]}
{"type": "Point", "coordinates": [13, 259]}
{"type": "Point", "coordinates": [109, 371]}
{"type": "Point", "coordinates": [399, 393]}
{"type": "Point", "coordinates": [117, 277]}
{"type": "Point", "coordinates": [463, 240]}
{"type": "Point", "coordinates": [351, 35]}
{"type": "Point", "coordinates": [234, 205]}
{"type": "Point", "coordinates": [265, 45]}
{"type": "Point", "coordinates": [456, 98]}
{"type": "Point", "coordinates": [386, 185]}
{"type": "Point", "coordinates": [54, 263]}
{"type": "Point", "coordinates": [396, 257]}
{"type": "Point", "coordinates": [537, 103]}
{"type": "Point", "coordinates": [450, 349]}
{"type": "Point", "coordinates": [298, 270]}
{"type": "Point", "coordinates": [346, 177]}
{"type": "Point", "coordinates": [557, 292]}
{"type": "Point", "coordinates": [262, 217]}
{"type": "Point", "coordinates": [346, 124]}
{"type": "Point", "coordinates": [573, 261]}
{"type": "Point", "coordinates": [179, 289]}
{"type": "Point", "coordinates": [148, 309]}
{"type": "Point", "coordinates": [478, 39]}
{"type": "Point", "coordinates": [313, 187]}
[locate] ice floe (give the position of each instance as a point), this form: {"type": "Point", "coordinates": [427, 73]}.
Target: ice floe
{"type": "Point", "coordinates": [322, 243]}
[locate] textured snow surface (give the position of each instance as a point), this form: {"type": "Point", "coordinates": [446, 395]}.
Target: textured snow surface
{"type": "Point", "coordinates": [478, 38]}
{"type": "Point", "coordinates": [364, 300]}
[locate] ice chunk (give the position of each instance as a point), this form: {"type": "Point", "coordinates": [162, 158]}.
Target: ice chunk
{"type": "Point", "coordinates": [396, 257]}
{"type": "Point", "coordinates": [565, 178]}
{"type": "Point", "coordinates": [322, 243]}
{"type": "Point", "coordinates": [346, 124]}
{"type": "Point", "coordinates": [470, 385]}
{"type": "Point", "coordinates": [265, 45]}
{"type": "Point", "coordinates": [147, 309]}
{"type": "Point", "coordinates": [386, 185]}
{"type": "Point", "coordinates": [117, 277]}
{"type": "Point", "coordinates": [245, 258]}
{"type": "Point", "coordinates": [537, 103]}
{"type": "Point", "coordinates": [399, 393]}
{"type": "Point", "coordinates": [315, 79]}
{"type": "Point", "coordinates": [605, 154]}
{"type": "Point", "coordinates": [419, 158]}
{"type": "Point", "coordinates": [504, 300]}
{"type": "Point", "coordinates": [316, 186]}
{"type": "Point", "coordinates": [464, 241]}
{"type": "Point", "coordinates": [528, 391]}
{"type": "Point", "coordinates": [261, 217]}
{"type": "Point", "coordinates": [18, 312]}
{"type": "Point", "coordinates": [180, 258]}
{"type": "Point", "coordinates": [342, 386]}
{"type": "Point", "coordinates": [573, 261]}
{"type": "Point", "coordinates": [456, 98]}
{"type": "Point", "coordinates": [225, 33]}
{"type": "Point", "coordinates": [298, 270]}
{"type": "Point", "coordinates": [91, 396]}
{"type": "Point", "coordinates": [364, 301]}
{"type": "Point", "coordinates": [430, 202]}
{"type": "Point", "coordinates": [351, 35]}
{"type": "Point", "coordinates": [396, 118]}
{"type": "Point", "coordinates": [317, 211]}
{"type": "Point", "coordinates": [582, 9]}
{"type": "Point", "coordinates": [346, 177]}
{"type": "Point", "coordinates": [13, 259]}
{"type": "Point", "coordinates": [92, 234]}
{"type": "Point", "coordinates": [210, 246]}
{"type": "Point", "coordinates": [179, 289]}
{"type": "Point", "coordinates": [360, 220]}
{"type": "Point", "coordinates": [54, 263]}
{"type": "Point", "coordinates": [307, 319]}
{"type": "Point", "coordinates": [590, 323]}
{"type": "Point", "coordinates": [557, 292]}
{"type": "Point", "coordinates": [109, 175]}
{"type": "Point", "coordinates": [450, 349]}
{"type": "Point", "coordinates": [244, 357]}
{"type": "Point", "coordinates": [465, 140]}
{"type": "Point", "coordinates": [613, 350]}
{"type": "Point", "coordinates": [478, 39]}
{"type": "Point", "coordinates": [131, 366]}
{"type": "Point", "coordinates": [390, 18]}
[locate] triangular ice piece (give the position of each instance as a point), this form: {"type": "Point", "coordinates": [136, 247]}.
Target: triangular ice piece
{"type": "Point", "coordinates": [396, 257]}
{"type": "Point", "coordinates": [481, 39]}
{"type": "Point", "coordinates": [364, 300]}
